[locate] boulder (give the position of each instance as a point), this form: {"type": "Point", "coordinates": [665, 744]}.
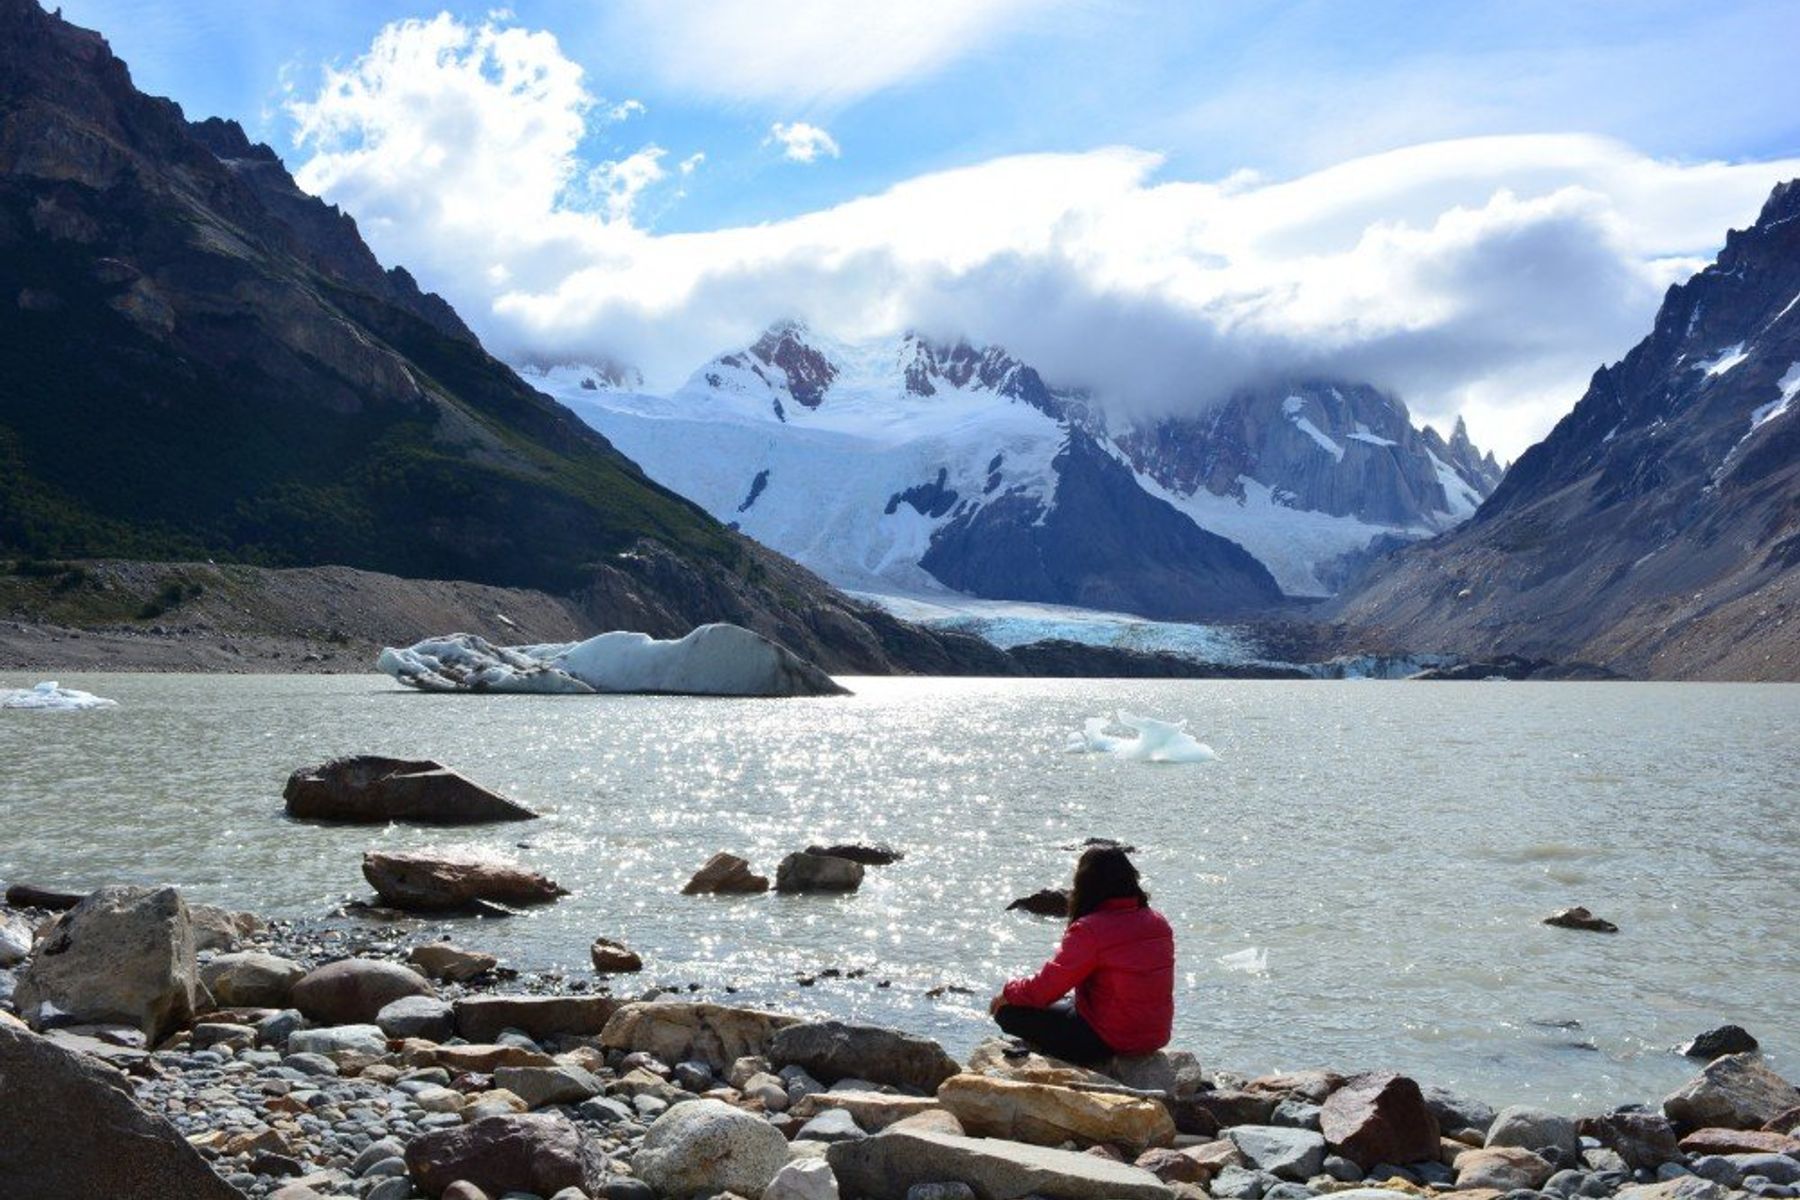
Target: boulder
{"type": "Point", "coordinates": [705, 1147]}
{"type": "Point", "coordinates": [1740, 1141]}
{"type": "Point", "coordinates": [1734, 1092]}
{"type": "Point", "coordinates": [1047, 1115]}
{"type": "Point", "coordinates": [27, 895]}
{"type": "Point", "coordinates": [612, 957]}
{"type": "Point", "coordinates": [834, 1050]}
{"type": "Point", "coordinates": [353, 991]}
{"type": "Point", "coordinates": [1455, 1112]}
{"type": "Point", "coordinates": [1295, 1154]}
{"type": "Point", "coordinates": [1309, 1086]}
{"type": "Point", "coordinates": [1782, 1169]}
{"type": "Point", "coordinates": [803, 872]}
{"type": "Point", "coordinates": [803, 1179]}
{"type": "Point", "coordinates": [251, 979]}
{"type": "Point", "coordinates": [367, 1041]}
{"type": "Point", "coordinates": [1786, 1122]}
{"type": "Point", "coordinates": [367, 789]}
{"type": "Point", "coordinates": [1173, 1072]}
{"type": "Point", "coordinates": [1645, 1140]}
{"type": "Point", "coordinates": [1552, 1136]}
{"type": "Point", "coordinates": [725, 874]}
{"type": "Point", "coordinates": [1000, 1057]}
{"type": "Point", "coordinates": [886, 1166]}
{"type": "Point", "coordinates": [16, 936]}
{"type": "Point", "coordinates": [1683, 1187]}
{"type": "Point", "coordinates": [1045, 902]}
{"type": "Point", "coordinates": [538, 1086]}
{"type": "Point", "coordinates": [482, 1018]}
{"type": "Point", "coordinates": [538, 1152]}
{"type": "Point", "coordinates": [417, 1017]}
{"type": "Point", "coordinates": [445, 880]}
{"type": "Point", "coordinates": [450, 964]}
{"type": "Point", "coordinates": [1503, 1168]}
{"type": "Point", "coordinates": [1232, 1106]}
{"type": "Point", "coordinates": [672, 1030]}
{"type": "Point", "coordinates": [1580, 918]}
{"type": "Point", "coordinates": [218, 928]}
{"type": "Point", "coordinates": [872, 1111]}
{"type": "Point", "coordinates": [478, 1060]}
{"type": "Point", "coordinates": [71, 1128]}
{"type": "Point", "coordinates": [856, 852]}
{"type": "Point", "coordinates": [1715, 1043]}
{"type": "Point", "coordinates": [1379, 1118]}
{"type": "Point", "coordinates": [123, 954]}
{"type": "Point", "coordinates": [832, 1125]}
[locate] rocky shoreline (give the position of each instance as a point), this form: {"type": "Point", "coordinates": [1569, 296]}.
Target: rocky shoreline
{"type": "Point", "coordinates": [339, 1058]}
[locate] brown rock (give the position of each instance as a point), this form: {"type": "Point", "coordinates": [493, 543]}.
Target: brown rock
{"type": "Point", "coordinates": [1737, 1091]}
{"type": "Point", "coordinates": [1740, 1141]}
{"type": "Point", "coordinates": [834, 1050]}
{"type": "Point", "coordinates": [1786, 1122]}
{"type": "Point", "coordinates": [1044, 1115]}
{"type": "Point", "coordinates": [1174, 1166]}
{"type": "Point", "coordinates": [368, 789]}
{"type": "Point", "coordinates": [1642, 1139]}
{"type": "Point", "coordinates": [1229, 1106]}
{"type": "Point", "coordinates": [451, 964]}
{"type": "Point", "coordinates": [1379, 1118]}
{"type": "Point", "coordinates": [1309, 1086]}
{"type": "Point", "coordinates": [252, 979]}
{"type": "Point", "coordinates": [1580, 918]}
{"type": "Point", "coordinates": [872, 1111]}
{"type": "Point", "coordinates": [612, 957]}
{"type": "Point", "coordinates": [352, 991]}
{"type": "Point", "coordinates": [932, 1120]}
{"type": "Point", "coordinates": [26, 895]}
{"type": "Point", "coordinates": [715, 1034]}
{"type": "Point", "coordinates": [1503, 1168]}
{"type": "Point", "coordinates": [725, 874]}
{"type": "Point", "coordinates": [539, 1153]}
{"type": "Point", "coordinates": [480, 1059]}
{"type": "Point", "coordinates": [218, 928]}
{"type": "Point", "coordinates": [434, 881]}
{"type": "Point", "coordinates": [481, 1018]}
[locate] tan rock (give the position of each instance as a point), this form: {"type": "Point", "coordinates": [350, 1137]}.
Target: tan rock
{"type": "Point", "coordinates": [1046, 1115]}
{"type": "Point", "coordinates": [124, 954]}
{"type": "Point", "coordinates": [725, 874]}
{"type": "Point", "coordinates": [450, 964]}
{"type": "Point", "coordinates": [1740, 1141]}
{"type": "Point", "coordinates": [484, 1060]}
{"type": "Point", "coordinates": [872, 1111]}
{"type": "Point", "coordinates": [611, 957]}
{"type": "Point", "coordinates": [990, 1058]}
{"type": "Point", "coordinates": [1737, 1091]}
{"type": "Point", "coordinates": [258, 1141]}
{"type": "Point", "coordinates": [442, 880]}
{"type": "Point", "coordinates": [1687, 1187]}
{"type": "Point", "coordinates": [715, 1034]}
{"type": "Point", "coordinates": [1504, 1168]}
{"type": "Point", "coordinates": [931, 1120]}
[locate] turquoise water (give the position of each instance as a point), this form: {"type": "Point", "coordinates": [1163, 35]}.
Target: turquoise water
{"type": "Point", "coordinates": [1390, 846]}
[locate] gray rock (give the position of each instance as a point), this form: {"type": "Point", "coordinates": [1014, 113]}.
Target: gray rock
{"type": "Point", "coordinates": [803, 872]}
{"type": "Point", "coordinates": [482, 1018]}
{"type": "Point", "coordinates": [417, 1017]}
{"type": "Point", "coordinates": [1455, 1111]}
{"type": "Point", "coordinates": [1341, 1169]}
{"type": "Point", "coordinates": [251, 979]}
{"type": "Point", "coordinates": [1296, 1114]}
{"type": "Point", "coordinates": [1545, 1133]}
{"type": "Point", "coordinates": [803, 1179]}
{"type": "Point", "coordinates": [888, 1165]}
{"type": "Point", "coordinates": [1718, 1169]}
{"type": "Point", "coordinates": [73, 1129]}
{"type": "Point", "coordinates": [706, 1146]}
{"type": "Point", "coordinates": [539, 1086]}
{"type": "Point", "coordinates": [376, 1152]}
{"type": "Point", "coordinates": [836, 1050]}
{"type": "Point", "coordinates": [1286, 1153]}
{"type": "Point", "coordinates": [16, 936]}
{"type": "Point", "coordinates": [276, 1028]}
{"type": "Point", "coordinates": [604, 1110]}
{"type": "Point", "coordinates": [1289, 1191]}
{"type": "Point", "coordinates": [1737, 1091]}
{"type": "Point", "coordinates": [337, 1039]}
{"type": "Point", "coordinates": [1776, 1168]}
{"type": "Point", "coordinates": [940, 1191]}
{"type": "Point", "coordinates": [392, 1188]}
{"type": "Point", "coordinates": [1239, 1183]}
{"type": "Point", "coordinates": [124, 954]}
{"type": "Point", "coordinates": [832, 1125]}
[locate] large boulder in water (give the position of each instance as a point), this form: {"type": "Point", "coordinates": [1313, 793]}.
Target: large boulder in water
{"type": "Point", "coordinates": [725, 874]}
{"type": "Point", "coordinates": [1380, 1118]}
{"type": "Point", "coordinates": [367, 789]}
{"type": "Point", "coordinates": [539, 1153]}
{"type": "Point", "coordinates": [353, 991]}
{"type": "Point", "coordinates": [124, 955]}
{"type": "Point", "coordinates": [803, 872]}
{"type": "Point", "coordinates": [444, 880]}
{"type": "Point", "coordinates": [713, 660]}
{"type": "Point", "coordinates": [69, 1127]}
{"type": "Point", "coordinates": [834, 1050]}
{"type": "Point", "coordinates": [706, 1147]}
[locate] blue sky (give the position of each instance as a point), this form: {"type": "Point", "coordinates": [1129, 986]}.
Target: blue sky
{"type": "Point", "coordinates": [1644, 127]}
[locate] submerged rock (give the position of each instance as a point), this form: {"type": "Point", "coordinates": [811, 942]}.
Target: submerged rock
{"type": "Point", "coordinates": [1716, 1043]}
{"type": "Point", "coordinates": [124, 954]}
{"type": "Point", "coordinates": [437, 881]}
{"type": "Point", "coordinates": [713, 660]}
{"type": "Point", "coordinates": [1580, 918]}
{"type": "Point", "coordinates": [371, 790]}
{"type": "Point", "coordinates": [1045, 902]}
{"type": "Point", "coordinates": [725, 873]}
{"type": "Point", "coordinates": [804, 872]}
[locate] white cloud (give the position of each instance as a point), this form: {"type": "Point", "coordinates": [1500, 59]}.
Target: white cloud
{"type": "Point", "coordinates": [810, 51]}
{"type": "Point", "coordinates": [801, 142]}
{"type": "Point", "coordinates": [1488, 276]}
{"type": "Point", "coordinates": [624, 109]}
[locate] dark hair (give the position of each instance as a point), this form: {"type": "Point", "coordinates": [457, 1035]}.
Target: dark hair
{"type": "Point", "coordinates": [1104, 873]}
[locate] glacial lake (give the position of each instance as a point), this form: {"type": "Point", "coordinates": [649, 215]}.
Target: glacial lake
{"type": "Point", "coordinates": [1391, 846]}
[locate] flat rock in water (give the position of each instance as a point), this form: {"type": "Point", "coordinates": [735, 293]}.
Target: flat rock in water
{"type": "Point", "coordinates": [123, 955]}
{"type": "Point", "coordinates": [368, 789]}
{"type": "Point", "coordinates": [725, 874]}
{"type": "Point", "coordinates": [482, 1018]}
{"type": "Point", "coordinates": [612, 957]}
{"type": "Point", "coordinates": [833, 1050]}
{"type": "Point", "coordinates": [1737, 1091]}
{"type": "Point", "coordinates": [1716, 1043]}
{"type": "Point", "coordinates": [1045, 902]}
{"type": "Point", "coordinates": [353, 991]}
{"type": "Point", "coordinates": [72, 1129]}
{"type": "Point", "coordinates": [1047, 1115]}
{"type": "Point", "coordinates": [886, 1166]}
{"type": "Point", "coordinates": [1580, 918]}
{"type": "Point", "coordinates": [452, 964]}
{"type": "Point", "coordinates": [803, 872]}
{"type": "Point", "coordinates": [672, 1030]}
{"type": "Point", "coordinates": [443, 881]}
{"type": "Point", "coordinates": [540, 1153]}
{"type": "Point", "coordinates": [868, 856]}
{"type": "Point", "coordinates": [1379, 1118]}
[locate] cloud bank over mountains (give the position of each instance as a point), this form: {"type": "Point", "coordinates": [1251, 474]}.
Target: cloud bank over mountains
{"type": "Point", "coordinates": [1487, 276]}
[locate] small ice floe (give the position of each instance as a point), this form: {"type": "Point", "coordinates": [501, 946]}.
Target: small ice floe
{"type": "Point", "coordinates": [49, 695]}
{"type": "Point", "coordinates": [1251, 961]}
{"type": "Point", "coordinates": [1150, 740]}
{"type": "Point", "coordinates": [713, 660]}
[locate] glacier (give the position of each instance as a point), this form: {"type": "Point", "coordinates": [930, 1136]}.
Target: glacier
{"type": "Point", "coordinates": [50, 696]}
{"type": "Point", "coordinates": [1150, 740]}
{"type": "Point", "coordinates": [713, 660]}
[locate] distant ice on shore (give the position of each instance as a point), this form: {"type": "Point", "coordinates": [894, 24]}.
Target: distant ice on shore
{"type": "Point", "coordinates": [51, 696]}
{"type": "Point", "coordinates": [713, 660]}
{"type": "Point", "coordinates": [1150, 740]}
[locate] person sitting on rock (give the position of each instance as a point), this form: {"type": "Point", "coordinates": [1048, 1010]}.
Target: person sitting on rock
{"type": "Point", "coordinates": [1118, 956]}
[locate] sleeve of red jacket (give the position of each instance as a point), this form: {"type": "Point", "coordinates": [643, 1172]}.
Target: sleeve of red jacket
{"type": "Point", "coordinates": [1074, 961]}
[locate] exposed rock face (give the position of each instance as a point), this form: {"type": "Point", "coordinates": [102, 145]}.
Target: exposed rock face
{"type": "Point", "coordinates": [1380, 1118]}
{"type": "Point", "coordinates": [124, 954]}
{"type": "Point", "coordinates": [886, 1166]}
{"type": "Point", "coordinates": [725, 874]}
{"type": "Point", "coordinates": [834, 1050]}
{"type": "Point", "coordinates": [73, 1129]}
{"type": "Point", "coordinates": [353, 991]}
{"type": "Point", "coordinates": [1737, 1091]}
{"type": "Point", "coordinates": [803, 872]}
{"type": "Point", "coordinates": [481, 1018]}
{"type": "Point", "coordinates": [705, 1147]}
{"type": "Point", "coordinates": [714, 1034]}
{"type": "Point", "coordinates": [437, 881]}
{"type": "Point", "coordinates": [1654, 531]}
{"type": "Point", "coordinates": [371, 790]}
{"type": "Point", "coordinates": [251, 979]}
{"type": "Point", "coordinates": [537, 1153]}
{"type": "Point", "coordinates": [1047, 1115]}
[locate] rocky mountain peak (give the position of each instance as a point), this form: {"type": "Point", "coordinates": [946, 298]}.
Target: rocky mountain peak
{"type": "Point", "coordinates": [806, 370]}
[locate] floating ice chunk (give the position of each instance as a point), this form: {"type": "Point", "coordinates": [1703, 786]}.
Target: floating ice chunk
{"type": "Point", "coordinates": [1251, 961]}
{"type": "Point", "coordinates": [48, 695]}
{"type": "Point", "coordinates": [1150, 740]}
{"type": "Point", "coordinates": [713, 660]}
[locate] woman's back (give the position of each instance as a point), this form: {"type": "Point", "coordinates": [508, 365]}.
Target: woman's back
{"type": "Point", "coordinates": [1129, 996]}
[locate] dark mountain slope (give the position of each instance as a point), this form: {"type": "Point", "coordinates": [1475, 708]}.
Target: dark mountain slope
{"type": "Point", "coordinates": [1657, 528]}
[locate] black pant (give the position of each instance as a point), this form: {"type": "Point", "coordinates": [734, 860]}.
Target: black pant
{"type": "Point", "coordinates": [1058, 1031]}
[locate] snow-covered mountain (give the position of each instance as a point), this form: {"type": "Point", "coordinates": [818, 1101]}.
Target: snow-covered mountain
{"type": "Point", "coordinates": [910, 466]}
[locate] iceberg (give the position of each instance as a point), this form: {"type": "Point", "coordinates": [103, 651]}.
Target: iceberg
{"type": "Point", "coordinates": [49, 695]}
{"type": "Point", "coordinates": [1150, 740]}
{"type": "Point", "coordinates": [713, 660]}
{"type": "Point", "coordinates": [1251, 961]}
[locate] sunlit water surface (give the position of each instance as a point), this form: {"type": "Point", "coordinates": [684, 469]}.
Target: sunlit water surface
{"type": "Point", "coordinates": [1391, 846]}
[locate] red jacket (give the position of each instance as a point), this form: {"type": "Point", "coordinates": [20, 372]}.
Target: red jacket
{"type": "Point", "coordinates": [1120, 959]}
